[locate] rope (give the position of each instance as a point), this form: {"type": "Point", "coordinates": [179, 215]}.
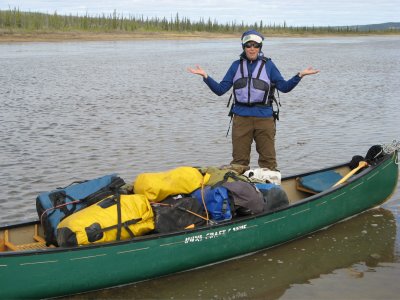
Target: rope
{"type": "Point", "coordinates": [56, 207]}
{"type": "Point", "coordinates": [204, 201]}
{"type": "Point", "coordinates": [391, 148]}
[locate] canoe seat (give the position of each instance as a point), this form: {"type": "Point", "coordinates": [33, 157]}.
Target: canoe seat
{"type": "Point", "coordinates": [39, 242]}
{"type": "Point", "coordinates": [317, 182]}
{"type": "Point", "coordinates": [25, 247]}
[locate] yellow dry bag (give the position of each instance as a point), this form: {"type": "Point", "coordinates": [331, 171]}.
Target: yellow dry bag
{"type": "Point", "coordinates": [158, 186]}
{"type": "Point", "coordinates": [117, 217]}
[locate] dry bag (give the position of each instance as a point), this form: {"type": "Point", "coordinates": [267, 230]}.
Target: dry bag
{"type": "Point", "coordinates": [54, 206]}
{"type": "Point", "coordinates": [117, 217]}
{"type": "Point", "coordinates": [158, 186]}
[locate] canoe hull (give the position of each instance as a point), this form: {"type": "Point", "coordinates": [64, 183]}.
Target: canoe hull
{"type": "Point", "coordinates": [56, 272]}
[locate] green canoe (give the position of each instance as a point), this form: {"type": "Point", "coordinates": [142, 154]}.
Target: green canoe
{"type": "Point", "coordinates": [29, 269]}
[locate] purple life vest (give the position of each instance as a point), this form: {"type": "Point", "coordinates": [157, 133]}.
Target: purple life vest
{"type": "Point", "coordinates": [249, 90]}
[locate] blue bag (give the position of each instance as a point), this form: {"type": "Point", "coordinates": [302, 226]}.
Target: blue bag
{"type": "Point", "coordinates": [217, 202]}
{"type": "Point", "coordinates": [54, 206]}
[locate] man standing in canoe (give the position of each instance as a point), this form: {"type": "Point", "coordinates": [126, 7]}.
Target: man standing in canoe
{"type": "Point", "coordinates": [254, 78]}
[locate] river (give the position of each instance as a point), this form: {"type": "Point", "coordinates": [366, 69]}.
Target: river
{"type": "Point", "coordinates": [79, 110]}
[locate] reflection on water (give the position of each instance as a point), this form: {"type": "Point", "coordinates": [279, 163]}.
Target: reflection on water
{"type": "Point", "coordinates": [357, 282]}
{"type": "Point", "coordinates": [357, 246]}
{"type": "Point", "coordinates": [74, 111]}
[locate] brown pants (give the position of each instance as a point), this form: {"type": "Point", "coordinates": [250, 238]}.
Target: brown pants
{"type": "Point", "coordinates": [262, 131]}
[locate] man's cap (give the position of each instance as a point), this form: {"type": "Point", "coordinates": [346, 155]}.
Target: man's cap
{"type": "Point", "coordinates": [252, 35]}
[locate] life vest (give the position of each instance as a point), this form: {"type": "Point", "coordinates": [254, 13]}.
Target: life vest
{"type": "Point", "coordinates": [249, 90]}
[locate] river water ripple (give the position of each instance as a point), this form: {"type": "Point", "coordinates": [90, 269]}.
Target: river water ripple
{"type": "Point", "coordinates": [79, 110]}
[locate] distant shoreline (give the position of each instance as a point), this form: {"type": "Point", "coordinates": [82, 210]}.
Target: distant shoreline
{"type": "Point", "coordinates": [16, 37]}
{"type": "Point", "coordinates": [26, 26]}
{"type": "Point", "coordinates": [103, 36]}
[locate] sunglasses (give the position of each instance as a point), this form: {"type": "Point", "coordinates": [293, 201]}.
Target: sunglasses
{"type": "Point", "coordinates": [255, 45]}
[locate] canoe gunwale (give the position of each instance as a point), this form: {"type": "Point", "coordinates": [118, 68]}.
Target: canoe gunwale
{"type": "Point", "coordinates": [232, 222]}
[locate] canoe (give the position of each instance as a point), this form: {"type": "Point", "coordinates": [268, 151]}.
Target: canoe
{"type": "Point", "coordinates": [29, 269]}
{"type": "Point", "coordinates": [352, 248]}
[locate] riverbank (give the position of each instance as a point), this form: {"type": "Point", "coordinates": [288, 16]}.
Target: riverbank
{"type": "Point", "coordinates": [7, 37]}
{"type": "Point", "coordinates": [60, 36]}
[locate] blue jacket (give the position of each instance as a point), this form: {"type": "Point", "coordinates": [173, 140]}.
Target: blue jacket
{"type": "Point", "coordinates": [252, 111]}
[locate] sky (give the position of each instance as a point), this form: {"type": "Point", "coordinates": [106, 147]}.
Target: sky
{"type": "Point", "coordinates": [293, 12]}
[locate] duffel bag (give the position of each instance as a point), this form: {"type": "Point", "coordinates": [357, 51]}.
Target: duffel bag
{"type": "Point", "coordinates": [247, 199]}
{"type": "Point", "coordinates": [117, 217]}
{"type": "Point", "coordinates": [54, 206]}
{"type": "Point", "coordinates": [173, 214]}
{"type": "Point", "coordinates": [217, 202]}
{"type": "Point", "coordinates": [158, 186]}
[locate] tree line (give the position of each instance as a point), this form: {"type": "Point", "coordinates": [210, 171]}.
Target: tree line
{"type": "Point", "coordinates": [14, 20]}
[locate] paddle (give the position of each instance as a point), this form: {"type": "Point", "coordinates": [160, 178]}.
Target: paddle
{"type": "Point", "coordinates": [361, 164]}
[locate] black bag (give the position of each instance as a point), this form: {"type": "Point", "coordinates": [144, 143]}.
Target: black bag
{"type": "Point", "coordinates": [374, 154]}
{"type": "Point", "coordinates": [274, 196]}
{"type": "Point", "coordinates": [174, 214]}
{"type": "Point", "coordinates": [355, 160]}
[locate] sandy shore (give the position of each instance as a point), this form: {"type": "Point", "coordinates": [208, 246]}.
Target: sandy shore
{"type": "Point", "coordinates": [7, 37]}
{"type": "Point", "coordinates": [91, 36]}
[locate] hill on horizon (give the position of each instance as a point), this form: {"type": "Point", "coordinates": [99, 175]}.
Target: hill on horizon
{"type": "Point", "coordinates": [377, 27]}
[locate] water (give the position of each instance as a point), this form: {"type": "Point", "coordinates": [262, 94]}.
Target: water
{"type": "Point", "coordinates": [78, 110]}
